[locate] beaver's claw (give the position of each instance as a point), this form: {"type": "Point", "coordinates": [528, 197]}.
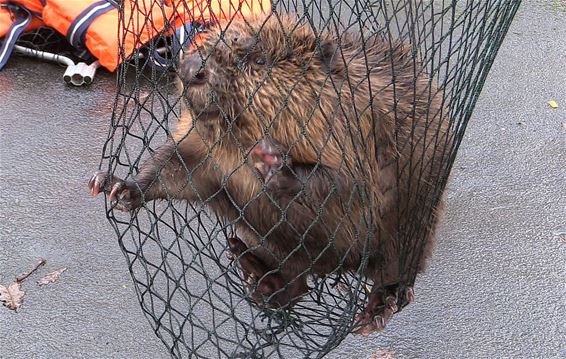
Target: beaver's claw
{"type": "Point", "coordinates": [382, 304]}
{"type": "Point", "coordinates": [125, 194]}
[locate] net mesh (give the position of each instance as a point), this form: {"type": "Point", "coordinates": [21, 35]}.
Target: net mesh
{"type": "Point", "coordinates": [320, 176]}
{"type": "Point", "coordinates": [48, 40]}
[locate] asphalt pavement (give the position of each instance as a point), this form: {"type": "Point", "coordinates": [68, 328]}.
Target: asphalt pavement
{"type": "Point", "coordinates": [495, 287]}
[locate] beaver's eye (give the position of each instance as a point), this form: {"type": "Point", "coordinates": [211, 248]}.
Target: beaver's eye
{"type": "Point", "coordinates": [260, 61]}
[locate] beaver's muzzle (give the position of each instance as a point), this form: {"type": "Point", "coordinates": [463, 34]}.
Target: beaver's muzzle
{"type": "Point", "coordinates": [193, 70]}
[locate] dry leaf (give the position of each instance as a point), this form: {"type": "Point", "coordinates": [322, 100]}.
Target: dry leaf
{"type": "Point", "coordinates": [552, 104]}
{"type": "Point", "coordinates": [383, 354]}
{"type": "Point", "coordinates": [51, 277]}
{"type": "Point", "coordinates": [12, 297]}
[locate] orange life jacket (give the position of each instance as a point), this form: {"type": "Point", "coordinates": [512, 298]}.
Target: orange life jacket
{"type": "Point", "coordinates": [7, 14]}
{"type": "Point", "coordinates": [34, 6]}
{"type": "Point", "coordinates": [94, 25]}
{"type": "Point", "coordinates": [17, 17]}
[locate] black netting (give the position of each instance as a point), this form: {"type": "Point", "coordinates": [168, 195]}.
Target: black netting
{"type": "Point", "coordinates": [284, 178]}
{"type": "Point", "coordinates": [45, 40]}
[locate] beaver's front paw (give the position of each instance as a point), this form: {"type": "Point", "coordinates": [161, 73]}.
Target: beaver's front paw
{"type": "Point", "coordinates": [269, 159]}
{"type": "Point", "coordinates": [125, 194]}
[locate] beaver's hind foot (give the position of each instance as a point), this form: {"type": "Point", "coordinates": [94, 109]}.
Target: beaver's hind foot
{"type": "Point", "coordinates": [268, 288]}
{"type": "Point", "coordinates": [382, 304]}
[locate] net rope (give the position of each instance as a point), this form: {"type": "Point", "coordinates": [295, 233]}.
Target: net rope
{"type": "Point", "coordinates": [188, 286]}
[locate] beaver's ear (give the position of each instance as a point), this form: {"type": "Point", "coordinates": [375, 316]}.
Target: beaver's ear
{"type": "Point", "coordinates": [329, 55]}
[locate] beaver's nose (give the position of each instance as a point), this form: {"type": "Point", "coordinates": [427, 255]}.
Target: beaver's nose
{"type": "Point", "coordinates": [193, 70]}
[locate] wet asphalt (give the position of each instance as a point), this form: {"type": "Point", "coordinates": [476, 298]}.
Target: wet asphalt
{"type": "Point", "coordinates": [495, 287]}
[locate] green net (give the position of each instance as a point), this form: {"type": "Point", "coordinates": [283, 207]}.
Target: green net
{"type": "Point", "coordinates": [284, 162]}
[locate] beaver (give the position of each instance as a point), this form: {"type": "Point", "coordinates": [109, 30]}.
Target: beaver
{"type": "Point", "coordinates": [320, 149]}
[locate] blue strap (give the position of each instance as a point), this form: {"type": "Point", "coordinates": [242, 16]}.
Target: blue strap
{"type": "Point", "coordinates": [180, 39]}
{"type": "Point", "coordinates": [22, 20]}
{"type": "Point", "coordinates": [76, 33]}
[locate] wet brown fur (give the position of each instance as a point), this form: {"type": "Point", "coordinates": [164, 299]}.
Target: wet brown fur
{"type": "Point", "coordinates": [288, 98]}
{"type": "Point", "coordinates": [338, 125]}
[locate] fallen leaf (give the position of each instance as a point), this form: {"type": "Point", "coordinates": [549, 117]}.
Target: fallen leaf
{"type": "Point", "coordinates": [12, 297]}
{"type": "Point", "coordinates": [51, 277]}
{"type": "Point", "coordinates": [560, 233]}
{"type": "Point", "coordinates": [553, 104]}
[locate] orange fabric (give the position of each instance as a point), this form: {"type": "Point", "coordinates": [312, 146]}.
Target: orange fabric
{"type": "Point", "coordinates": [144, 20]}
{"type": "Point", "coordinates": [102, 35]}
{"type": "Point", "coordinates": [32, 5]}
{"type": "Point", "coordinates": [35, 23]}
{"type": "Point", "coordinates": [6, 17]}
{"type": "Point", "coordinates": [5, 21]}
